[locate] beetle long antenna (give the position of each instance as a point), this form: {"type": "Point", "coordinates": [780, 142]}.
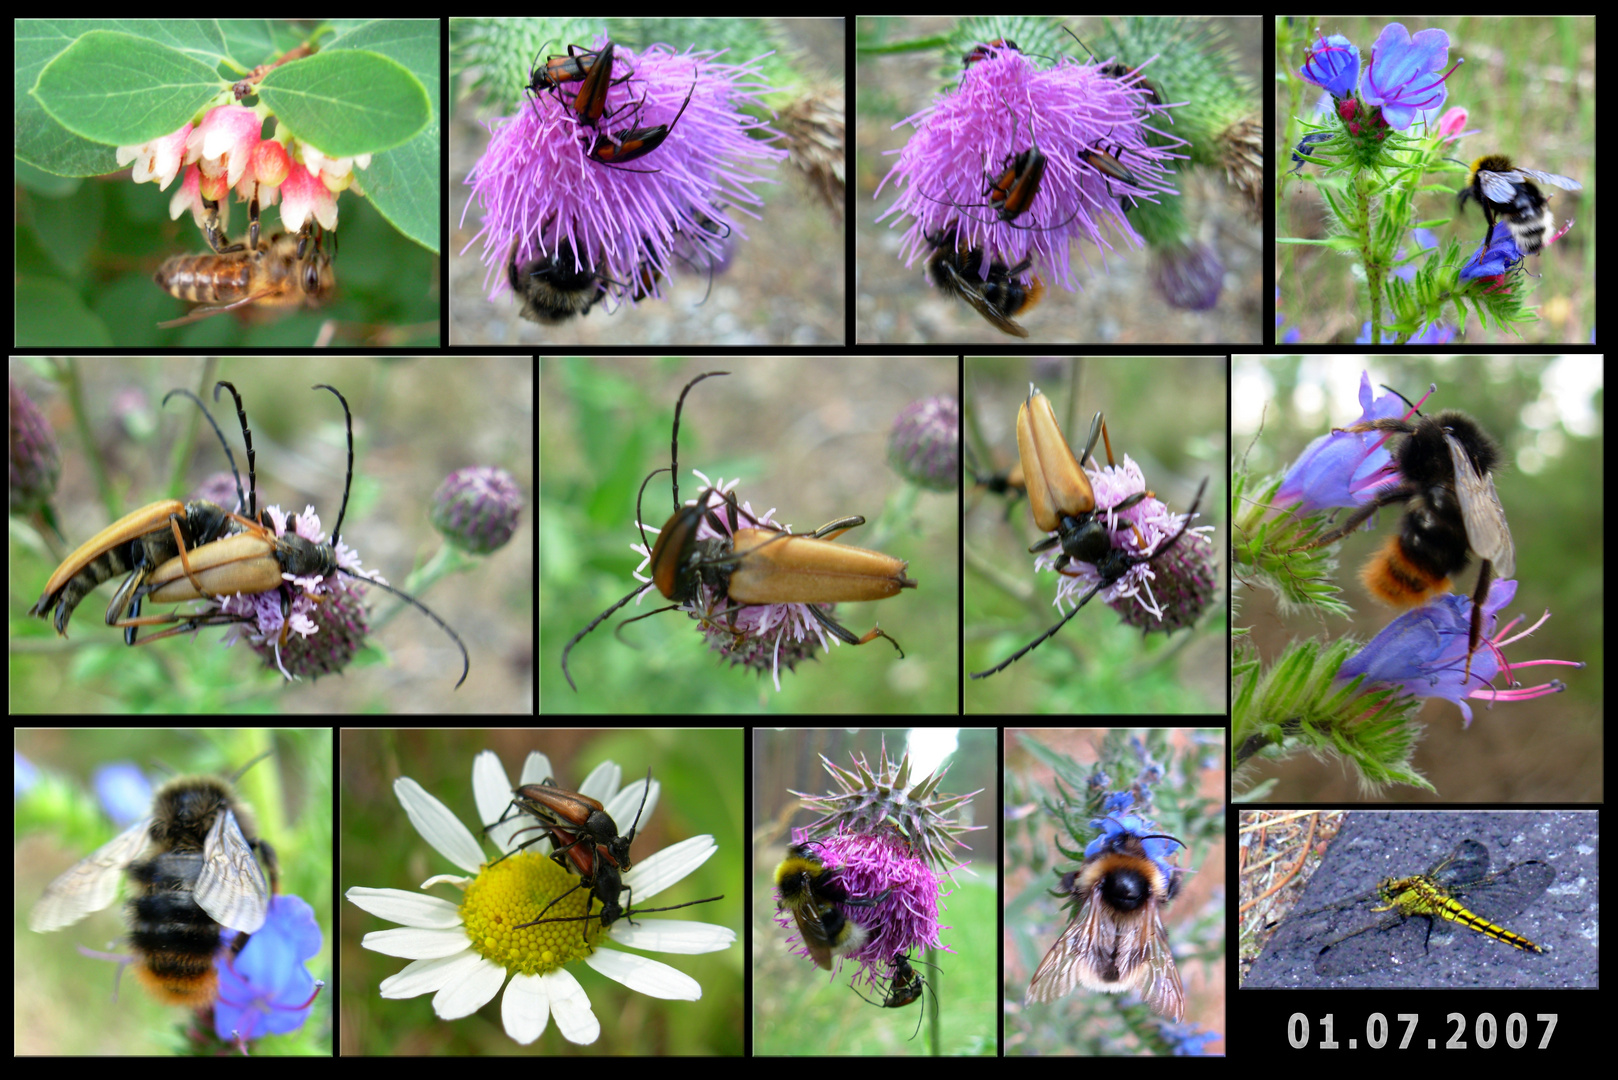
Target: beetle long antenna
{"type": "Point", "coordinates": [674, 443]}
{"type": "Point", "coordinates": [247, 438]}
{"type": "Point", "coordinates": [466, 663]}
{"type": "Point", "coordinates": [241, 500]}
{"type": "Point", "coordinates": [595, 622]}
{"type": "Point", "coordinates": [348, 418]}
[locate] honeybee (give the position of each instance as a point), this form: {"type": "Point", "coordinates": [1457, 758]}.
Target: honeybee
{"type": "Point", "coordinates": [191, 865]}
{"type": "Point", "coordinates": [284, 270]}
{"type": "Point", "coordinates": [1117, 941]}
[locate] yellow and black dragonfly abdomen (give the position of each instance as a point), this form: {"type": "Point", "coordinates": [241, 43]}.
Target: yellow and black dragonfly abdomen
{"type": "Point", "coordinates": [1458, 888]}
{"type": "Point", "coordinates": [1420, 895]}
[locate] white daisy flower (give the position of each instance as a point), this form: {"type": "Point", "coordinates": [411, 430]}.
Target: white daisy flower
{"type": "Point", "coordinates": [462, 951]}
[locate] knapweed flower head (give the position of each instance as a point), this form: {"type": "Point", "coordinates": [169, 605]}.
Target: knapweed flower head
{"type": "Point", "coordinates": [461, 950]}
{"type": "Point", "coordinates": [313, 624]}
{"type": "Point", "coordinates": [656, 179]}
{"type": "Point", "coordinates": [1081, 127]}
{"type": "Point", "coordinates": [1162, 592]}
{"type": "Point", "coordinates": [763, 637]}
{"type": "Point", "coordinates": [886, 796]}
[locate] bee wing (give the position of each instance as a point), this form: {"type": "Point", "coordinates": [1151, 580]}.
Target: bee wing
{"type": "Point", "coordinates": [1059, 972]}
{"type": "Point", "coordinates": [973, 294]}
{"type": "Point", "coordinates": [1499, 187]}
{"type": "Point", "coordinates": [987, 310]}
{"type": "Point", "coordinates": [91, 883]}
{"type": "Point", "coordinates": [1486, 530]}
{"type": "Point", "coordinates": [200, 313]}
{"type": "Point", "coordinates": [1566, 183]}
{"type": "Point", "coordinates": [230, 887]}
{"type": "Point", "coordinates": [1162, 989]}
{"type": "Point", "coordinates": [813, 932]}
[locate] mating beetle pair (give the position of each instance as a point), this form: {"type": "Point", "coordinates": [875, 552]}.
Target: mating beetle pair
{"type": "Point", "coordinates": [586, 76]}
{"type": "Point", "coordinates": [736, 578]}
{"type": "Point", "coordinates": [580, 827]}
{"type": "Point", "coordinates": [176, 552]}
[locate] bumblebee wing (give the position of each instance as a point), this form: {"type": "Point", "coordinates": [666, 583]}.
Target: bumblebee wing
{"type": "Point", "coordinates": [1162, 988]}
{"type": "Point", "coordinates": [813, 932]}
{"type": "Point", "coordinates": [950, 279]}
{"type": "Point", "coordinates": [90, 884]}
{"type": "Point", "coordinates": [1486, 530]}
{"type": "Point", "coordinates": [972, 293]}
{"type": "Point", "coordinates": [1566, 183]}
{"type": "Point", "coordinates": [230, 887]}
{"type": "Point", "coordinates": [1058, 973]}
{"type": "Point", "coordinates": [1499, 187]}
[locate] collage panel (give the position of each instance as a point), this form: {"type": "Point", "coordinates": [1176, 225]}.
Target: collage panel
{"type": "Point", "coordinates": [1436, 179]}
{"type": "Point", "coordinates": [1082, 179]}
{"type": "Point", "coordinates": [1069, 609]}
{"type": "Point", "coordinates": [1462, 665]}
{"type": "Point", "coordinates": [543, 893]}
{"type": "Point", "coordinates": [1115, 850]}
{"type": "Point", "coordinates": [647, 180]}
{"type": "Point", "coordinates": [874, 892]}
{"type": "Point", "coordinates": [184, 183]}
{"type": "Point", "coordinates": [1422, 899]}
{"type": "Point", "coordinates": [856, 611]}
{"type": "Point", "coordinates": [189, 530]}
{"type": "Point", "coordinates": [219, 843]}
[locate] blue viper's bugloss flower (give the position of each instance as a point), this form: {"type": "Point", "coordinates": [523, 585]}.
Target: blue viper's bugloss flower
{"type": "Point", "coordinates": [1004, 105]}
{"type": "Point", "coordinates": [540, 189]}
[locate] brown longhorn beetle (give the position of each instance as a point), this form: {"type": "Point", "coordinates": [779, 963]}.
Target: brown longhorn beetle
{"type": "Point", "coordinates": [1062, 501]}
{"type": "Point", "coordinates": [727, 572]}
{"type": "Point", "coordinates": [247, 572]}
{"type": "Point", "coordinates": [580, 829]}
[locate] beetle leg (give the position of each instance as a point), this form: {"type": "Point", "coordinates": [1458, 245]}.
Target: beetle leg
{"type": "Point", "coordinates": [847, 635]}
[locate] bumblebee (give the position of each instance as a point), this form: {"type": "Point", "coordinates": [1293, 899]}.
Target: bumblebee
{"type": "Point", "coordinates": [998, 297]}
{"type": "Point", "coordinates": [555, 287]}
{"type": "Point", "coordinates": [1444, 468]}
{"type": "Point", "coordinates": [1509, 194]}
{"type": "Point", "coordinates": [192, 868]}
{"type": "Point", "coordinates": [1117, 941]}
{"type": "Point", "coordinates": [816, 896]}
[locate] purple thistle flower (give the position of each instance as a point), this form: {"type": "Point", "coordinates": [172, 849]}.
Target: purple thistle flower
{"type": "Point", "coordinates": [1005, 106]}
{"type": "Point", "coordinates": [627, 224]}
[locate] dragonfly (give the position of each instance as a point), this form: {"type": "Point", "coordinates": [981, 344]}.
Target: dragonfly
{"type": "Point", "coordinates": [1458, 888]}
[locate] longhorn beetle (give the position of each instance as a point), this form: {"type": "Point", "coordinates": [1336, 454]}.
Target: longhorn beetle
{"type": "Point", "coordinates": [590, 69]}
{"type": "Point", "coordinates": [1062, 501]}
{"type": "Point", "coordinates": [553, 805]}
{"type": "Point", "coordinates": [132, 544]}
{"type": "Point", "coordinates": [244, 571]}
{"type": "Point", "coordinates": [753, 567]}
